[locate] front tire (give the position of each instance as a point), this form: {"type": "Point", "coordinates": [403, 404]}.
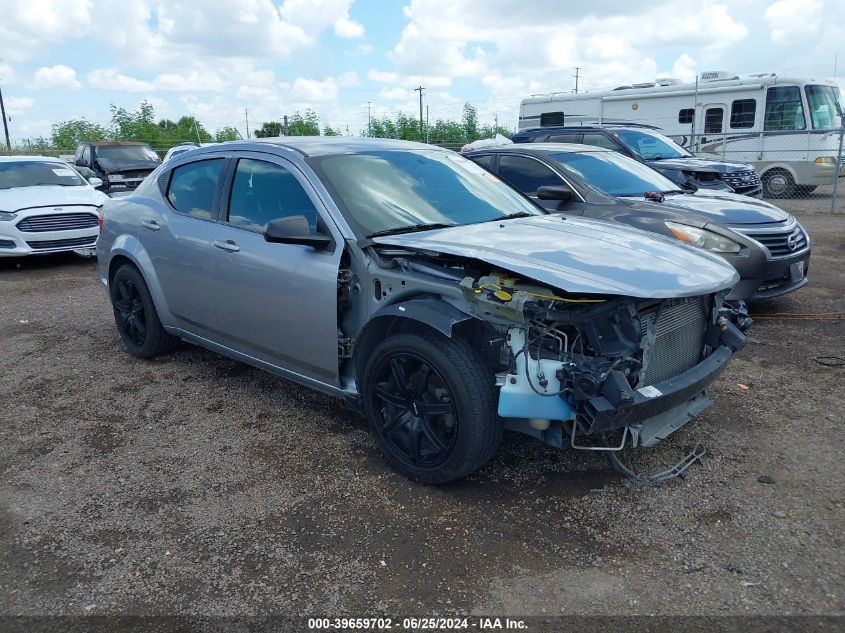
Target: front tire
{"type": "Point", "coordinates": [431, 404]}
{"type": "Point", "coordinates": [778, 183]}
{"type": "Point", "coordinates": [136, 317]}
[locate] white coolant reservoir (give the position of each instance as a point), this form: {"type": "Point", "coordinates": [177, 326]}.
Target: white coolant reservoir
{"type": "Point", "coordinates": [517, 398]}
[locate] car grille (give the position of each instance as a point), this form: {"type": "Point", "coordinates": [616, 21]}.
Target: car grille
{"type": "Point", "coordinates": [747, 179]}
{"type": "Point", "coordinates": [782, 242]}
{"type": "Point", "coordinates": [57, 222]}
{"type": "Point", "coordinates": [70, 243]}
{"type": "Point", "coordinates": [679, 338]}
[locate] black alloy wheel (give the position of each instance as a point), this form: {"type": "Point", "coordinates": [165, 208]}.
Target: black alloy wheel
{"type": "Point", "coordinates": [130, 313]}
{"type": "Point", "coordinates": [416, 410]}
{"type": "Point", "coordinates": [136, 317]}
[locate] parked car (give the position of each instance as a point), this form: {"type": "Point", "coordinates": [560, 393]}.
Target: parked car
{"type": "Point", "coordinates": [121, 165]}
{"type": "Point", "coordinates": [647, 145]}
{"type": "Point", "coordinates": [424, 291]}
{"type": "Point", "coordinates": [767, 246]}
{"type": "Point", "coordinates": [181, 149]}
{"type": "Point", "coordinates": [45, 207]}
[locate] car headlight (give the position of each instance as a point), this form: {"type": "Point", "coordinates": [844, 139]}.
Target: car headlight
{"type": "Point", "coordinates": [6, 216]}
{"type": "Point", "coordinates": [826, 160]}
{"type": "Point", "coordinates": [702, 238]}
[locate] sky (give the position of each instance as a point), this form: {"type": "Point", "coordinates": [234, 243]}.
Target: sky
{"type": "Point", "coordinates": [223, 60]}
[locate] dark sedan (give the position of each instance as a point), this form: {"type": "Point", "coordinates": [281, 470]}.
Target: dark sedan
{"type": "Point", "coordinates": [766, 245]}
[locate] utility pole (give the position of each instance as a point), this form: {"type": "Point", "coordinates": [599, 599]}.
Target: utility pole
{"type": "Point", "coordinates": [427, 127]}
{"type": "Point", "coordinates": [5, 123]}
{"type": "Point", "coordinates": [495, 124]}
{"type": "Point", "coordinates": [369, 119]}
{"type": "Point", "coordinates": [577, 71]}
{"type": "Point", "coordinates": [285, 129]}
{"type": "Point", "coordinates": [420, 90]}
{"type": "Point", "coordinates": [347, 129]}
{"type": "Point", "coordinates": [246, 118]}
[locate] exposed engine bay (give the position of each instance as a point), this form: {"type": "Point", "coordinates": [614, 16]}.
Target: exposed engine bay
{"type": "Point", "coordinates": [594, 372]}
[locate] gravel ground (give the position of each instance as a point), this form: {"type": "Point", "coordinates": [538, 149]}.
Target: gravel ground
{"type": "Point", "coordinates": [197, 485]}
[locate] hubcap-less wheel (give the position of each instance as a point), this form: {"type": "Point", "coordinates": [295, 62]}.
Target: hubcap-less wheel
{"type": "Point", "coordinates": [416, 410]}
{"type": "Point", "coordinates": [131, 316]}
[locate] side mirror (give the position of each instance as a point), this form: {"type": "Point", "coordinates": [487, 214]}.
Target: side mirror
{"type": "Point", "coordinates": [556, 192]}
{"type": "Point", "coordinates": [295, 230]}
{"type": "Point", "coordinates": [95, 182]}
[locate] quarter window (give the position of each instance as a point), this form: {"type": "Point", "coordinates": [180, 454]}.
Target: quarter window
{"type": "Point", "coordinates": [262, 192]}
{"type": "Point", "coordinates": [484, 161]}
{"type": "Point", "coordinates": [784, 110]}
{"type": "Point", "coordinates": [686, 115]}
{"type": "Point", "coordinates": [192, 187]}
{"type": "Point", "coordinates": [526, 174]}
{"type": "Point", "coordinates": [742, 113]}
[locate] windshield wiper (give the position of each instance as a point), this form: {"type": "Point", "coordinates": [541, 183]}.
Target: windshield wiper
{"type": "Point", "coordinates": [511, 216]}
{"type": "Point", "coordinates": [411, 228]}
{"type": "Point", "coordinates": [50, 184]}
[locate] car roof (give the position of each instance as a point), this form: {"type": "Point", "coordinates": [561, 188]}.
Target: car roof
{"type": "Point", "coordinates": [541, 148]}
{"type": "Point", "coordinates": [34, 159]}
{"type": "Point", "coordinates": [326, 145]}
{"type": "Point", "coordinates": [587, 126]}
{"type": "Point", "coordinates": [106, 143]}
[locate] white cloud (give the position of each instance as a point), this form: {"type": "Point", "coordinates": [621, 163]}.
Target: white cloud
{"type": "Point", "coordinates": [791, 20]}
{"type": "Point", "coordinates": [382, 76]}
{"type": "Point", "coordinates": [348, 28]}
{"type": "Point", "coordinates": [18, 105]}
{"type": "Point", "coordinates": [27, 26]}
{"type": "Point", "coordinates": [59, 76]}
{"type": "Point", "coordinates": [111, 79]}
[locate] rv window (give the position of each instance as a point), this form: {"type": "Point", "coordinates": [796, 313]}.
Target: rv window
{"type": "Point", "coordinates": [713, 120]}
{"type": "Point", "coordinates": [551, 118]}
{"type": "Point", "coordinates": [784, 110]}
{"type": "Point", "coordinates": [685, 116]}
{"type": "Point", "coordinates": [742, 113]}
{"type": "Point", "coordinates": [823, 102]}
{"type": "Point", "coordinates": [526, 174]}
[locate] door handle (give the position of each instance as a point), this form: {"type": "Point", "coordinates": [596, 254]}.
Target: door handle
{"type": "Point", "coordinates": [229, 246]}
{"type": "Point", "coordinates": [152, 225]}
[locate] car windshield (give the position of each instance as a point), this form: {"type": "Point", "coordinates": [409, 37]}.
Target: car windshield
{"type": "Point", "coordinates": [30, 173]}
{"type": "Point", "coordinates": [126, 152]}
{"type": "Point", "coordinates": [825, 107]}
{"type": "Point", "coordinates": [400, 189]}
{"type": "Point", "coordinates": [651, 145]}
{"type": "Point", "coordinates": [613, 174]}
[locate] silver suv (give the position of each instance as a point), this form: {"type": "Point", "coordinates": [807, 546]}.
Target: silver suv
{"type": "Point", "coordinates": [435, 299]}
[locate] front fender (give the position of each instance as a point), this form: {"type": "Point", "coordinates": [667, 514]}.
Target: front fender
{"type": "Point", "coordinates": [431, 311]}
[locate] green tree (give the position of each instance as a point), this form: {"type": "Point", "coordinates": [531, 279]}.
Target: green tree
{"type": "Point", "coordinates": [469, 121]}
{"type": "Point", "coordinates": [269, 129]}
{"type": "Point", "coordinates": [329, 131]}
{"type": "Point", "coordinates": [227, 133]}
{"type": "Point", "coordinates": [136, 125]}
{"type": "Point", "coordinates": [307, 124]}
{"type": "Point", "coordinates": [68, 134]}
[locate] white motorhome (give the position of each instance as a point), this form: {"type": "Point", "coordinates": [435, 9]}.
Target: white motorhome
{"type": "Point", "coordinates": [787, 127]}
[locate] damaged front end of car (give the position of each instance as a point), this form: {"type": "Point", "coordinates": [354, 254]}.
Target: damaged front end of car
{"type": "Point", "coordinates": [591, 371]}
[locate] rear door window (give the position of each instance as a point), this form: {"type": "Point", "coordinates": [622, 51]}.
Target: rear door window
{"type": "Point", "coordinates": [526, 174]}
{"type": "Point", "coordinates": [193, 187]}
{"type": "Point", "coordinates": [485, 160]}
{"type": "Point", "coordinates": [599, 140]}
{"type": "Point", "coordinates": [262, 192]}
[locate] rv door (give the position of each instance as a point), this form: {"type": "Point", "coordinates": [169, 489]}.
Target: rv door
{"type": "Point", "coordinates": [713, 128]}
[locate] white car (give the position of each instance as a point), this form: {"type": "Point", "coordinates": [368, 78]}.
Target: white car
{"type": "Point", "coordinates": [46, 207]}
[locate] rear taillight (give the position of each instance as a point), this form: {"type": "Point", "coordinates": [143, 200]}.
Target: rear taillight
{"type": "Point", "coordinates": [100, 219]}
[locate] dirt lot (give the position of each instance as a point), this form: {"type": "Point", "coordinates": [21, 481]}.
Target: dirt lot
{"type": "Point", "coordinates": [197, 485]}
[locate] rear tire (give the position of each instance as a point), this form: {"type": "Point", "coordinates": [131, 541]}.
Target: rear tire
{"type": "Point", "coordinates": [431, 404]}
{"type": "Point", "coordinates": [136, 317]}
{"type": "Point", "coordinates": [778, 183]}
